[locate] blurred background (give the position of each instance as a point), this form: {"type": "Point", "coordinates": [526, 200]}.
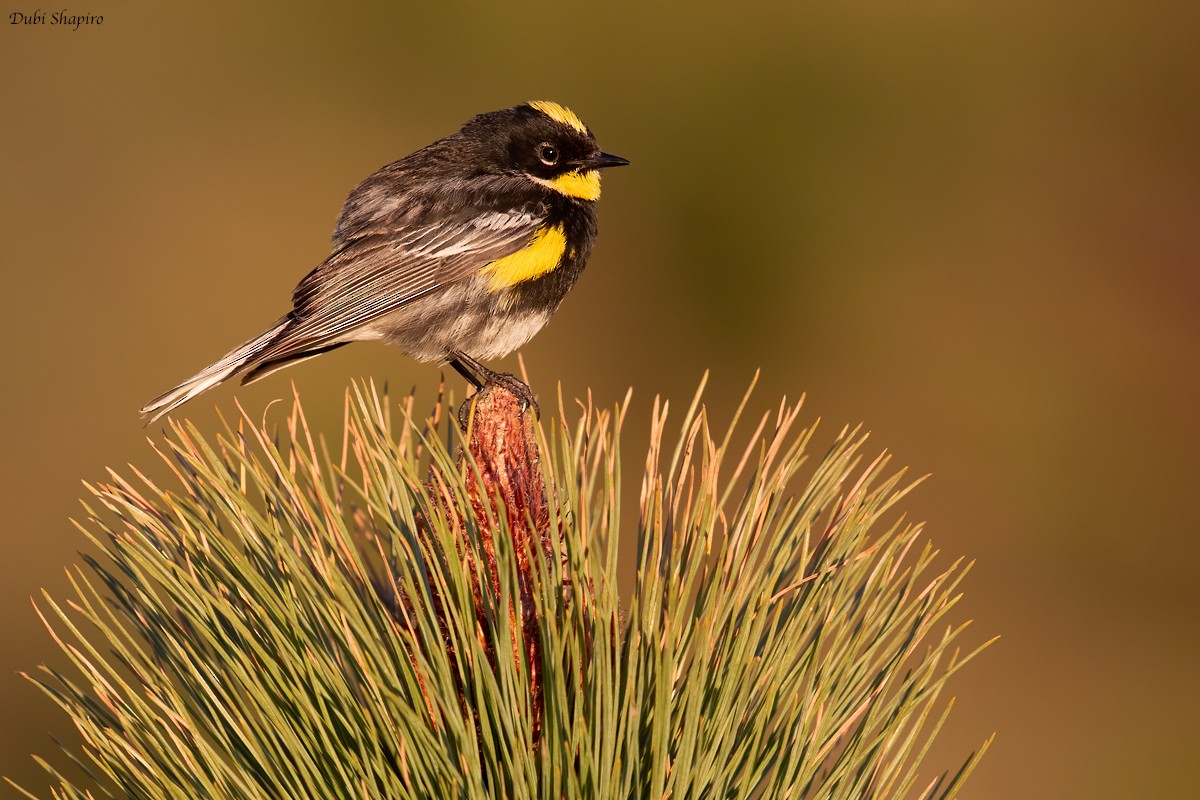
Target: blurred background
{"type": "Point", "coordinates": [973, 227]}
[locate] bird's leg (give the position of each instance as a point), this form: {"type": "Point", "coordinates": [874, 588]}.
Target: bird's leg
{"type": "Point", "coordinates": [462, 365]}
{"type": "Point", "coordinates": [480, 377]}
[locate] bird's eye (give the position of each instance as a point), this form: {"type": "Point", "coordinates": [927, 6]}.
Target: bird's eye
{"type": "Point", "coordinates": [548, 153]}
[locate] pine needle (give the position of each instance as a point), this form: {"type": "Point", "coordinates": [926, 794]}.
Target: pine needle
{"type": "Point", "coordinates": [298, 619]}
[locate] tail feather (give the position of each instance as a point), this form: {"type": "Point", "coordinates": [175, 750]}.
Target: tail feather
{"type": "Point", "coordinates": [261, 369]}
{"type": "Point", "coordinates": [231, 364]}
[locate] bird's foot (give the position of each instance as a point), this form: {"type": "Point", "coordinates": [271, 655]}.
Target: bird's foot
{"type": "Point", "coordinates": [483, 379]}
{"type": "Point", "coordinates": [499, 380]}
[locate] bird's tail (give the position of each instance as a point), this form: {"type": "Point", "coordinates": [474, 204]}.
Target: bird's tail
{"type": "Point", "coordinates": [234, 362]}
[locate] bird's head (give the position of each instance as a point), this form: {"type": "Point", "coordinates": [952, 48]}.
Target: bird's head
{"type": "Point", "coordinates": [544, 142]}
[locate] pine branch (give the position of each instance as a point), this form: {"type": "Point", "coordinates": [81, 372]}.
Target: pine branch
{"type": "Point", "coordinates": [429, 613]}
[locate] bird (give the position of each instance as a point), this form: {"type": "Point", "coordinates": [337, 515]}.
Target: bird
{"type": "Point", "coordinates": [457, 253]}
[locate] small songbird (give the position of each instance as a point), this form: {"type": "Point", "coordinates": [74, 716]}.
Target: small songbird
{"type": "Point", "coordinates": [457, 253]}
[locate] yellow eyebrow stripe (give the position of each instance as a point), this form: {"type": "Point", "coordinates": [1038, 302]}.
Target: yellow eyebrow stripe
{"type": "Point", "coordinates": [559, 114]}
{"type": "Point", "coordinates": [542, 254]}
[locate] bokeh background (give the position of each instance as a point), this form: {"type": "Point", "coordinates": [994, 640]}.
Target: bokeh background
{"type": "Point", "coordinates": [971, 226]}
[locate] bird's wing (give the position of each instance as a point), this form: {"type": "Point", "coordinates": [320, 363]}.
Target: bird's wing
{"type": "Point", "coordinates": [379, 272]}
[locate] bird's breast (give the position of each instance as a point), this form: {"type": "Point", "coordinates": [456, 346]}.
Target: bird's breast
{"type": "Point", "coordinates": [544, 253]}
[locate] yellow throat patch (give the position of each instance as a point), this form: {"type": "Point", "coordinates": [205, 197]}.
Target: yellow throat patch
{"type": "Point", "coordinates": [542, 254]}
{"type": "Point", "coordinates": [582, 183]}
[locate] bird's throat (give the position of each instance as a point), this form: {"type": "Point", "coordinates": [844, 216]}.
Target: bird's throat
{"type": "Point", "coordinates": [582, 184]}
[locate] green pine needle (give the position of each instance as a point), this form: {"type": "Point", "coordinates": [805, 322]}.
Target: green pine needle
{"type": "Point", "coordinates": [283, 622]}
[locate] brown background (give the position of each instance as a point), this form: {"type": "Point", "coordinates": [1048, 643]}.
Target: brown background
{"type": "Point", "coordinates": [971, 225]}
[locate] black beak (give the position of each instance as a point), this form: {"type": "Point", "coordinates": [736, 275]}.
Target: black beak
{"type": "Point", "coordinates": [602, 160]}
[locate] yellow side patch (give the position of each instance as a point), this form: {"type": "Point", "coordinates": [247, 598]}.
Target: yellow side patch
{"type": "Point", "coordinates": [559, 114]}
{"type": "Point", "coordinates": [584, 184]}
{"type": "Point", "coordinates": [542, 254]}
